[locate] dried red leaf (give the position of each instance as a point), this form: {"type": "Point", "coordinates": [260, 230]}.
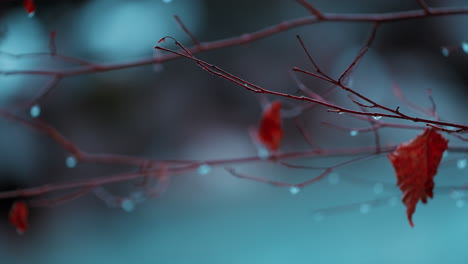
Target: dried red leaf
{"type": "Point", "coordinates": [19, 216]}
{"type": "Point", "coordinates": [415, 163]}
{"type": "Point", "coordinates": [270, 132]}
{"type": "Point", "coordinates": [30, 7]}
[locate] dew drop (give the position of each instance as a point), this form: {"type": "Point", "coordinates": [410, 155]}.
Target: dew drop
{"type": "Point", "coordinates": [263, 153]}
{"type": "Point", "coordinates": [460, 203]}
{"type": "Point", "coordinates": [318, 216]}
{"type": "Point", "coordinates": [31, 14]}
{"type": "Point", "coordinates": [294, 190]}
{"type": "Point", "coordinates": [334, 178]}
{"type": "Point", "coordinates": [378, 188]}
{"type": "Point", "coordinates": [364, 208]}
{"type": "Point", "coordinates": [71, 162]}
{"type": "Point", "coordinates": [204, 169]}
{"type": "Point", "coordinates": [353, 133]}
{"type": "Point", "coordinates": [445, 51]}
{"type": "Point", "coordinates": [377, 117]}
{"type": "Point", "coordinates": [127, 205]}
{"type": "Point", "coordinates": [340, 112]}
{"type": "Point", "coordinates": [461, 164]}
{"type": "Point", "coordinates": [35, 111]}
{"type": "Point", "coordinates": [464, 47]}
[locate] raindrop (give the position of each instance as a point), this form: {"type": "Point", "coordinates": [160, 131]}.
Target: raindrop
{"type": "Point", "coordinates": [71, 162]}
{"type": "Point", "coordinates": [204, 169]}
{"type": "Point", "coordinates": [445, 51]}
{"type": "Point", "coordinates": [378, 188]}
{"type": "Point", "coordinates": [461, 164]}
{"type": "Point", "coordinates": [35, 111]}
{"type": "Point", "coordinates": [294, 190]}
{"type": "Point", "coordinates": [460, 203]}
{"type": "Point", "coordinates": [127, 205]}
{"type": "Point", "coordinates": [167, 1]}
{"type": "Point", "coordinates": [353, 133]}
{"type": "Point", "coordinates": [340, 112]}
{"type": "Point", "coordinates": [364, 208]}
{"type": "Point", "coordinates": [464, 47]}
{"type": "Point", "coordinates": [377, 117]}
{"type": "Point", "coordinates": [334, 178]}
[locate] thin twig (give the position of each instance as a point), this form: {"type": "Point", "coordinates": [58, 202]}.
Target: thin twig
{"type": "Point", "coordinates": [194, 39]}
{"type": "Point", "coordinates": [314, 11]}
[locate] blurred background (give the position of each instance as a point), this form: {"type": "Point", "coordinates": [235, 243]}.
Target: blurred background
{"type": "Point", "coordinates": [178, 111]}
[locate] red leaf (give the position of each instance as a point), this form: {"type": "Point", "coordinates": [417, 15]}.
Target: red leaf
{"type": "Point", "coordinates": [270, 131]}
{"type": "Point", "coordinates": [30, 7]}
{"type": "Point", "coordinates": [19, 216]}
{"type": "Point", "coordinates": [415, 163]}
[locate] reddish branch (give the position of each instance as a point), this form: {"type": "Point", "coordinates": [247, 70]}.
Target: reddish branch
{"type": "Point", "coordinates": [168, 168]}
{"type": "Point", "coordinates": [215, 70]}
{"type": "Point", "coordinates": [380, 18]}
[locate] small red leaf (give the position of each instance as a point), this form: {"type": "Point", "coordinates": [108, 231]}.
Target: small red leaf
{"type": "Point", "coordinates": [19, 216]}
{"type": "Point", "coordinates": [415, 163]}
{"type": "Point", "coordinates": [270, 131]}
{"type": "Point", "coordinates": [30, 7]}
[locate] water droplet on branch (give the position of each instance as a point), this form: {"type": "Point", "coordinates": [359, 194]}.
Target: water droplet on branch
{"type": "Point", "coordinates": [263, 153]}
{"type": "Point", "coordinates": [35, 111]}
{"type": "Point", "coordinates": [204, 169]}
{"type": "Point", "coordinates": [377, 117]}
{"type": "Point", "coordinates": [71, 162]}
{"type": "Point", "coordinates": [445, 51]}
{"type": "Point", "coordinates": [294, 190]}
{"type": "Point", "coordinates": [464, 47]}
{"type": "Point", "coordinates": [353, 133]}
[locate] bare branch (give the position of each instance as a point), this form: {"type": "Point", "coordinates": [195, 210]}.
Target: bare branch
{"type": "Point", "coordinates": [362, 52]}
{"type": "Point", "coordinates": [314, 11]}
{"type": "Point", "coordinates": [194, 39]}
{"type": "Point", "coordinates": [317, 68]}
{"type": "Point", "coordinates": [424, 6]}
{"type": "Point", "coordinates": [254, 36]}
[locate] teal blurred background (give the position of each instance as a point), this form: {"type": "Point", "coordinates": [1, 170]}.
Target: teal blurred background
{"type": "Point", "coordinates": [178, 111]}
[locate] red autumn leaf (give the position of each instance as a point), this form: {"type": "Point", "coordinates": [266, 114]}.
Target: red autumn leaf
{"type": "Point", "coordinates": [415, 163]}
{"type": "Point", "coordinates": [270, 131]}
{"type": "Point", "coordinates": [30, 7]}
{"type": "Point", "coordinates": [19, 216]}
